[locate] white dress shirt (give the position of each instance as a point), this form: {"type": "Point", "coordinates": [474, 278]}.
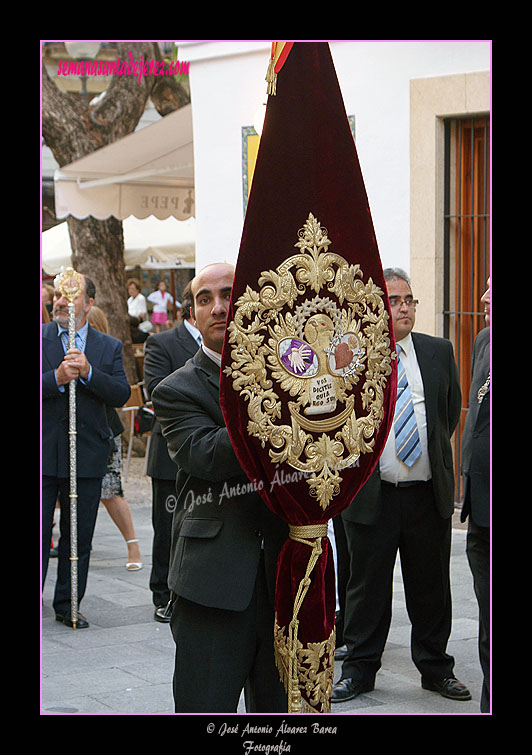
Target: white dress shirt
{"type": "Point", "coordinates": [212, 355]}
{"type": "Point", "coordinates": [194, 332]}
{"type": "Point", "coordinates": [391, 468]}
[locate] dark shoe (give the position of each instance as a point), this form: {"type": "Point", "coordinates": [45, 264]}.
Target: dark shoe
{"type": "Point", "coordinates": [348, 689]}
{"type": "Point", "coordinates": [53, 553]}
{"type": "Point", "coordinates": [66, 619]}
{"type": "Point", "coordinates": [340, 653]}
{"type": "Point", "coordinates": [450, 688]}
{"type": "Point", "coordinates": [162, 614]}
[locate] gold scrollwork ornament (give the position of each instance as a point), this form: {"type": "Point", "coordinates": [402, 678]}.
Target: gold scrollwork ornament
{"type": "Point", "coordinates": [312, 329]}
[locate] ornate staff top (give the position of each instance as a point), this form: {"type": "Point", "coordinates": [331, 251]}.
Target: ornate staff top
{"type": "Point", "coordinates": [69, 283]}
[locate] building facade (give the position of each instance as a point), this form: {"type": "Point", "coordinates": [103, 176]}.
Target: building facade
{"type": "Point", "coordinates": [420, 116]}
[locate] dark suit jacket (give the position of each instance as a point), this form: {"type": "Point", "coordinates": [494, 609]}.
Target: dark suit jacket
{"type": "Point", "coordinates": [442, 404]}
{"type": "Point", "coordinates": [476, 438]}
{"type": "Point", "coordinates": [164, 353]}
{"type": "Point", "coordinates": [108, 386]}
{"type": "Point", "coordinates": [219, 522]}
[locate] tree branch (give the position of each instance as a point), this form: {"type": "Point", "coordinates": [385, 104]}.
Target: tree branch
{"type": "Point", "coordinates": [63, 123]}
{"type": "Point", "coordinates": [73, 129]}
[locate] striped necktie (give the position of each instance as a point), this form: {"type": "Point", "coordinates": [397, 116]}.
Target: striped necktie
{"type": "Point", "coordinates": [80, 342]}
{"type": "Point", "coordinates": [407, 443]}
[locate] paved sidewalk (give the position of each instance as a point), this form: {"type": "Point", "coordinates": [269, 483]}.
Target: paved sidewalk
{"type": "Point", "coordinates": [123, 662]}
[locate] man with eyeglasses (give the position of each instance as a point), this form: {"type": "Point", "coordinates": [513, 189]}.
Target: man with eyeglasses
{"type": "Point", "coordinates": [406, 506]}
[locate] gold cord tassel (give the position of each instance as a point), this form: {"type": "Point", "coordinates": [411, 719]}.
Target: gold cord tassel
{"type": "Point", "coordinates": [271, 78]}
{"type": "Point", "coordinates": [308, 535]}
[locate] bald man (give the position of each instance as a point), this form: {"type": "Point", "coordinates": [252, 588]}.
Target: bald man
{"type": "Point", "coordinates": [225, 541]}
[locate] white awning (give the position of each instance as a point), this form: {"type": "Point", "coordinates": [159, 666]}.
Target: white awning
{"type": "Point", "coordinates": [148, 172]}
{"type": "Point", "coordinates": [150, 243]}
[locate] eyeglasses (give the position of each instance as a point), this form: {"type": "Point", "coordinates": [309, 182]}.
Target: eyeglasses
{"type": "Point", "coordinates": [396, 301]}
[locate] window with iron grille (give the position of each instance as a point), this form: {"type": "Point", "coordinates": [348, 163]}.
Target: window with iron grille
{"type": "Point", "coordinates": [466, 247]}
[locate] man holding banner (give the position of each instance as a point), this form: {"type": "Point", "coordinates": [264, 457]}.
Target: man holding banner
{"type": "Point", "coordinates": [308, 380]}
{"type": "Point", "coordinates": [225, 542]}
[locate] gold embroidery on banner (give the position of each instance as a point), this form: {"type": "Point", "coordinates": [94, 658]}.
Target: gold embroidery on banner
{"type": "Point", "coordinates": [310, 689]}
{"type": "Point", "coordinates": [313, 328]}
{"type": "Point", "coordinates": [306, 671]}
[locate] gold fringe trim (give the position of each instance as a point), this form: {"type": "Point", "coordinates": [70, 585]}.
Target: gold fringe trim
{"type": "Point", "coordinates": [314, 672]}
{"type": "Point", "coordinates": [310, 668]}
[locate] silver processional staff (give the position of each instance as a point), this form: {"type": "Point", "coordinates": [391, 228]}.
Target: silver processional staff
{"type": "Point", "coordinates": [70, 284]}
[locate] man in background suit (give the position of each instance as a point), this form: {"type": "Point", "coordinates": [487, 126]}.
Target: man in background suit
{"type": "Point", "coordinates": [476, 504]}
{"type": "Point", "coordinates": [225, 541]}
{"type": "Point", "coordinates": [406, 506]}
{"type": "Point", "coordinates": [97, 367]}
{"type": "Point", "coordinates": [164, 353]}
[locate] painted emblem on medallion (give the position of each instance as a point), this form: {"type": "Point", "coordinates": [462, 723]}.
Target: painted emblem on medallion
{"type": "Point", "coordinates": [298, 358]}
{"type": "Point", "coordinates": [345, 354]}
{"type": "Point", "coordinates": [313, 330]}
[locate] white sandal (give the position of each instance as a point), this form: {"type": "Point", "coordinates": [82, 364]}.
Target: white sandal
{"type": "Point", "coordinates": [133, 565]}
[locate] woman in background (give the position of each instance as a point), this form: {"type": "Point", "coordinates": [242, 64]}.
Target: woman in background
{"type": "Point", "coordinates": [112, 495]}
{"type": "Point", "coordinates": [136, 304]}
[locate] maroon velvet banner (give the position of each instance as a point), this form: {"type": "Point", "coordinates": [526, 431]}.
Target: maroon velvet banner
{"type": "Point", "coordinates": [308, 366]}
